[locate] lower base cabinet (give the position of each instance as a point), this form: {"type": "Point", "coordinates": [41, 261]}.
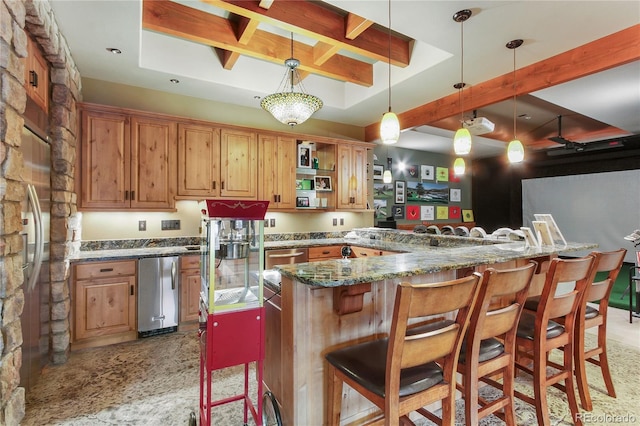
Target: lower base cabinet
{"type": "Point", "coordinates": [104, 303]}
{"type": "Point", "coordinates": [189, 289]}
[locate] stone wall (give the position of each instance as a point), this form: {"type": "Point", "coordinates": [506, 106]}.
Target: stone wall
{"type": "Point", "coordinates": [18, 19]}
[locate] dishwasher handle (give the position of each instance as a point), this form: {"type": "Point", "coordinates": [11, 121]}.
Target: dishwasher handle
{"type": "Point", "coordinates": [173, 275]}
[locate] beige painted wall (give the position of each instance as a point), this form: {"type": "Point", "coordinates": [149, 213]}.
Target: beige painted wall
{"type": "Point", "coordinates": [119, 95]}
{"type": "Point", "coordinates": [124, 225]}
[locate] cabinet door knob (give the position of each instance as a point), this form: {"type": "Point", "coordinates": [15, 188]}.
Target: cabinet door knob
{"type": "Point", "coordinates": [126, 195]}
{"type": "Point", "coordinates": [33, 78]}
{"type": "Point", "coordinates": [214, 184]}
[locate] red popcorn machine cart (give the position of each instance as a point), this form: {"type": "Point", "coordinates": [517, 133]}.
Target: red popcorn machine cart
{"type": "Point", "coordinates": [231, 299]}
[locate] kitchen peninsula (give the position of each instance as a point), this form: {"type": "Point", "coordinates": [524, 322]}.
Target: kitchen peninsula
{"type": "Point", "coordinates": [321, 306]}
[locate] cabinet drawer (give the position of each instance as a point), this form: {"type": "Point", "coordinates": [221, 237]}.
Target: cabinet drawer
{"type": "Point", "coordinates": [190, 262]}
{"type": "Point", "coordinates": [105, 269]}
{"type": "Point", "coordinates": [365, 251]}
{"type": "Point", "coordinates": [327, 252]}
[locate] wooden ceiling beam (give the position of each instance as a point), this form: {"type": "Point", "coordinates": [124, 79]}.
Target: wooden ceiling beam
{"type": "Point", "coordinates": [608, 52]}
{"type": "Point", "coordinates": [194, 25]}
{"type": "Point", "coordinates": [355, 25]}
{"type": "Point", "coordinates": [244, 31]}
{"type": "Point", "coordinates": [317, 22]}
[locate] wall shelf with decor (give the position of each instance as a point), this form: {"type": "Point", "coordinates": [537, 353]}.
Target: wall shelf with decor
{"type": "Point", "coordinates": [315, 176]}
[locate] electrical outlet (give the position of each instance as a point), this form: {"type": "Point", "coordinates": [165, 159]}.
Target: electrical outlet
{"type": "Point", "coordinates": [170, 225]}
{"type": "Point", "coordinates": [335, 221]}
{"type": "Point", "coordinates": [266, 223]}
{"type": "Point", "coordinates": [142, 225]}
{"type": "Point", "coordinates": [341, 221]}
{"type": "Point", "coordinates": [273, 222]}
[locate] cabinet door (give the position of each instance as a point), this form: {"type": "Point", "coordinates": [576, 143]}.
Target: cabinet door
{"type": "Point", "coordinates": [105, 306]}
{"type": "Point", "coordinates": [198, 160]}
{"type": "Point", "coordinates": [276, 171]}
{"type": "Point", "coordinates": [239, 168]}
{"type": "Point", "coordinates": [36, 75]}
{"type": "Point", "coordinates": [153, 163]}
{"type": "Point", "coordinates": [352, 177]}
{"type": "Point", "coordinates": [105, 159]}
{"type": "Point", "coordinates": [189, 295]}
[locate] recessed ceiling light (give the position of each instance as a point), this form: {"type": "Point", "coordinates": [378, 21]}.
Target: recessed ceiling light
{"type": "Point", "coordinates": [114, 50]}
{"type": "Point", "coordinates": [174, 81]}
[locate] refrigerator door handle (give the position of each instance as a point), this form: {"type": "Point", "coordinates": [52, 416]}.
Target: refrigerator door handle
{"type": "Point", "coordinates": [39, 237]}
{"type": "Point", "coordinates": [173, 275]}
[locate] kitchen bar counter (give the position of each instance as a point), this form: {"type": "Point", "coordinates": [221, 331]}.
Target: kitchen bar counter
{"type": "Point", "coordinates": [326, 305]}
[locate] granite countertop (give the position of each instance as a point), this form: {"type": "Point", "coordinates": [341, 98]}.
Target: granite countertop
{"type": "Point", "coordinates": [416, 260]}
{"type": "Point", "coordinates": [417, 254]}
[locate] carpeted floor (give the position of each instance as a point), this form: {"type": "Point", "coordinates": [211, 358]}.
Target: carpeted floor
{"type": "Point", "coordinates": [154, 381]}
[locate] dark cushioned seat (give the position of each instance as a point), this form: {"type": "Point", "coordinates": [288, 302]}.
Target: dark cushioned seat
{"type": "Point", "coordinates": [526, 327]}
{"type": "Point", "coordinates": [591, 312]}
{"type": "Point", "coordinates": [365, 364]}
{"type": "Point", "coordinates": [489, 349]}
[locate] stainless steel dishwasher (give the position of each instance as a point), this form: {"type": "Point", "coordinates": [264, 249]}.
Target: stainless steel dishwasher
{"type": "Point", "coordinates": [157, 295]}
{"type": "Point", "coordinates": [285, 257]}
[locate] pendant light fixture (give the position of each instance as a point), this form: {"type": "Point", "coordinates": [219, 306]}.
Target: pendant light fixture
{"type": "Point", "coordinates": [387, 177]}
{"type": "Point", "coordinates": [291, 107]}
{"type": "Point", "coordinates": [462, 138]}
{"type": "Point", "coordinates": [389, 126]}
{"type": "Point", "coordinates": [459, 166]}
{"type": "Point", "coordinates": [515, 150]}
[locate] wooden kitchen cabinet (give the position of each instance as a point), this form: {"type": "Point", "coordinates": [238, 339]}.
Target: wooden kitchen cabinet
{"type": "Point", "coordinates": [189, 288]}
{"type": "Point", "coordinates": [104, 303]}
{"type": "Point", "coordinates": [198, 160]}
{"type": "Point", "coordinates": [36, 75]}
{"type": "Point", "coordinates": [276, 171]}
{"type": "Point", "coordinates": [325, 253]}
{"type": "Point", "coordinates": [216, 162]}
{"type": "Point", "coordinates": [352, 177]}
{"type": "Point", "coordinates": [127, 161]}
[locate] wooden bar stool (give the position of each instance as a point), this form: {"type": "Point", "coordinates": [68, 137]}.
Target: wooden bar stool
{"type": "Point", "coordinates": [608, 263]}
{"type": "Point", "coordinates": [399, 373]}
{"type": "Point", "coordinates": [538, 334]}
{"type": "Point", "coordinates": [489, 346]}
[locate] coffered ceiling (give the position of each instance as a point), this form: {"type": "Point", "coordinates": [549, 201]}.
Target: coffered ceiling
{"type": "Point", "coordinates": [580, 60]}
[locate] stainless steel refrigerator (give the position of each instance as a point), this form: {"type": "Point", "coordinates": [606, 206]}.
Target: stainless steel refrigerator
{"type": "Point", "coordinates": [157, 295]}
{"type": "Point", "coordinates": [35, 264]}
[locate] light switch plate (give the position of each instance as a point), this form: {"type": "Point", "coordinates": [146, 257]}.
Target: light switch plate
{"type": "Point", "coordinates": [142, 225]}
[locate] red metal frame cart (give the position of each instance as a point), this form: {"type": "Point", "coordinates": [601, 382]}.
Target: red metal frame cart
{"type": "Point", "coordinates": [231, 299]}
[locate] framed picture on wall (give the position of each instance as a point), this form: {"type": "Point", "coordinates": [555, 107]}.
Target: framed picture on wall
{"type": "Point", "coordinates": [455, 195]}
{"type": "Point", "coordinates": [378, 170]}
{"type": "Point", "coordinates": [304, 156]}
{"type": "Point", "coordinates": [427, 172]}
{"type": "Point", "coordinates": [400, 191]}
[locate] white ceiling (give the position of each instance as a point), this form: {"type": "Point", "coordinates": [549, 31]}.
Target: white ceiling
{"type": "Point", "coordinates": [150, 60]}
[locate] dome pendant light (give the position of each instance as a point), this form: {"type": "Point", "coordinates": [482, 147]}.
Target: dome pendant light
{"type": "Point", "coordinates": [515, 150]}
{"type": "Point", "coordinates": [462, 138]}
{"type": "Point", "coordinates": [291, 107]}
{"type": "Point", "coordinates": [389, 126]}
{"type": "Point", "coordinates": [459, 166]}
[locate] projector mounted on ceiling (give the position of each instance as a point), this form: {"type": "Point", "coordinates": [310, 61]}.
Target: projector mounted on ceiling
{"type": "Point", "coordinates": [479, 125]}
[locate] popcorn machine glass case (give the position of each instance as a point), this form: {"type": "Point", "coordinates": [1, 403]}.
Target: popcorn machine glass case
{"type": "Point", "coordinates": [232, 262]}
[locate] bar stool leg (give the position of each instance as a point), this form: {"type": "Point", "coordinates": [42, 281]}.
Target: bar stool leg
{"type": "Point", "coordinates": [568, 383]}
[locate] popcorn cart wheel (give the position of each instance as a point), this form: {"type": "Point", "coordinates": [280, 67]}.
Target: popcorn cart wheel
{"type": "Point", "coordinates": [270, 411]}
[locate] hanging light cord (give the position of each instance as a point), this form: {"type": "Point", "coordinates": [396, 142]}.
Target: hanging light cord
{"type": "Point", "coordinates": [461, 72]}
{"type": "Point", "coordinates": [292, 69]}
{"type": "Point", "coordinates": [389, 61]}
{"type": "Point", "coordinates": [514, 94]}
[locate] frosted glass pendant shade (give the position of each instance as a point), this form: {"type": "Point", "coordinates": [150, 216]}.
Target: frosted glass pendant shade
{"type": "Point", "coordinates": [459, 166]}
{"type": "Point", "coordinates": [386, 176]}
{"type": "Point", "coordinates": [462, 142]}
{"type": "Point", "coordinates": [515, 151]}
{"type": "Point", "coordinates": [389, 128]}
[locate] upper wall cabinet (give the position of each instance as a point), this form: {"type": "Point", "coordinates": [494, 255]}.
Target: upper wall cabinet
{"type": "Point", "coordinates": [352, 177]}
{"type": "Point", "coordinates": [36, 76]}
{"type": "Point", "coordinates": [276, 171]}
{"type": "Point", "coordinates": [127, 161]}
{"type": "Point", "coordinates": [214, 162]}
